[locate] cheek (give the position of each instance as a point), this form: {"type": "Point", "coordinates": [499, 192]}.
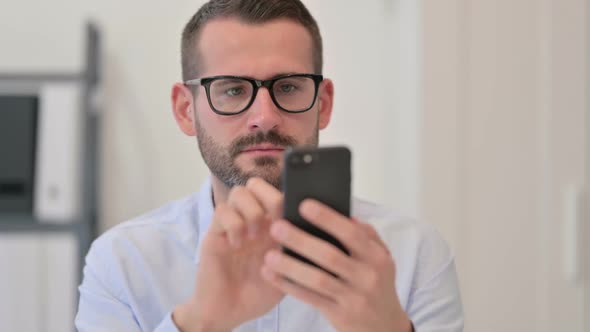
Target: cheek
{"type": "Point", "coordinates": [221, 129]}
{"type": "Point", "coordinates": [206, 117]}
{"type": "Point", "coordinates": [299, 124]}
{"type": "Point", "coordinates": [202, 105]}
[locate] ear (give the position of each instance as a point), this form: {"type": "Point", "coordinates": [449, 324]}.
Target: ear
{"type": "Point", "coordinates": [182, 107]}
{"type": "Point", "coordinates": [326, 101]}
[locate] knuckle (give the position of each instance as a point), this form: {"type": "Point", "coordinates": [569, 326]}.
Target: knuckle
{"type": "Point", "coordinates": [233, 224]}
{"type": "Point", "coordinates": [242, 200]}
{"type": "Point", "coordinates": [353, 236]}
{"type": "Point", "coordinates": [236, 193]}
{"type": "Point", "coordinates": [332, 257]}
{"type": "Point", "coordinates": [382, 258]}
{"type": "Point", "coordinates": [369, 228]}
{"type": "Point", "coordinates": [256, 214]}
{"type": "Point", "coordinates": [252, 212]}
{"type": "Point", "coordinates": [274, 205]}
{"type": "Point", "coordinates": [324, 282]}
{"type": "Point", "coordinates": [371, 232]}
{"type": "Point", "coordinates": [276, 201]}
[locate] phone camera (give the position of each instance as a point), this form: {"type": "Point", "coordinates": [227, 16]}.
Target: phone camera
{"type": "Point", "coordinates": [307, 158]}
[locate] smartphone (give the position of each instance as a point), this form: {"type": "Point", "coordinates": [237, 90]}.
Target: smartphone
{"type": "Point", "coordinates": [323, 174]}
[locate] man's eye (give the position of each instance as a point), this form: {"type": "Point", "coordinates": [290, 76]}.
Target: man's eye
{"type": "Point", "coordinates": [234, 91]}
{"type": "Point", "coordinates": [287, 88]}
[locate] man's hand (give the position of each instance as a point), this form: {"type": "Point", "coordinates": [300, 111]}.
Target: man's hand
{"type": "Point", "coordinates": [229, 289]}
{"type": "Point", "coordinates": [363, 296]}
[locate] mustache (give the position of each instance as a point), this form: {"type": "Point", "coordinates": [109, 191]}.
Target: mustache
{"type": "Point", "coordinates": [271, 137]}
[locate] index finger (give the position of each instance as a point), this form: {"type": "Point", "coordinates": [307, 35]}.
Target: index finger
{"type": "Point", "coordinates": [269, 196]}
{"type": "Point", "coordinates": [350, 234]}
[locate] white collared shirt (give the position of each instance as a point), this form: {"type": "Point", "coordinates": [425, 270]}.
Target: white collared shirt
{"type": "Point", "coordinates": [137, 272]}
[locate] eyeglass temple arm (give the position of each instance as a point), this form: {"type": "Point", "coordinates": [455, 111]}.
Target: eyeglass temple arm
{"type": "Point", "coordinates": [193, 82]}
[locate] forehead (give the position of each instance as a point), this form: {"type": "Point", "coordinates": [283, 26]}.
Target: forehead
{"type": "Point", "coordinates": [230, 46]}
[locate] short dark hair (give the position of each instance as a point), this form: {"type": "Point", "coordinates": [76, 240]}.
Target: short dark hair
{"type": "Point", "coordinates": [249, 11]}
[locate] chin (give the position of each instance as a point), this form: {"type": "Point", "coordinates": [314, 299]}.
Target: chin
{"type": "Point", "coordinates": [267, 169]}
{"type": "Point", "coordinates": [257, 164]}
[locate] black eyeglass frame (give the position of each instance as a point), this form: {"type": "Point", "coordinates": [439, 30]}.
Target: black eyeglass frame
{"type": "Point", "coordinates": [256, 84]}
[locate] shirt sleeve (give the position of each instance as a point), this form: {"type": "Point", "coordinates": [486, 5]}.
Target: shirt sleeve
{"type": "Point", "coordinates": [435, 301]}
{"type": "Point", "coordinates": [100, 307]}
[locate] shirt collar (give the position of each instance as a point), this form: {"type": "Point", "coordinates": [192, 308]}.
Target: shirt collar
{"type": "Point", "coordinates": [205, 214]}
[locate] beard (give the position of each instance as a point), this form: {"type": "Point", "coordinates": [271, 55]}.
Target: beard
{"type": "Point", "coordinates": [221, 160]}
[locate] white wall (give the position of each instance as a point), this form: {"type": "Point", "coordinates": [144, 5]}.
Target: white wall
{"type": "Point", "coordinates": [505, 92]}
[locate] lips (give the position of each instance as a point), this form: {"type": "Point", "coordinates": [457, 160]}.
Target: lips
{"type": "Point", "coordinates": [263, 149]}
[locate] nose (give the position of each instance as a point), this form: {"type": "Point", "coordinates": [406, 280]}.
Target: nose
{"type": "Point", "coordinates": [263, 114]}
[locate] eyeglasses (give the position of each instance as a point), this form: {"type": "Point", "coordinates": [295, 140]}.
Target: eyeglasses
{"type": "Point", "coordinates": [230, 95]}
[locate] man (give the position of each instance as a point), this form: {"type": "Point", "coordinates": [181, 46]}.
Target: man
{"type": "Point", "coordinates": [213, 261]}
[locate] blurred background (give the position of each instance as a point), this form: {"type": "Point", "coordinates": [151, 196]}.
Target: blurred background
{"type": "Point", "coordinates": [470, 115]}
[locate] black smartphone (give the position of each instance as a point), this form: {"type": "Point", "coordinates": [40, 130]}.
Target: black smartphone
{"type": "Point", "coordinates": [323, 174]}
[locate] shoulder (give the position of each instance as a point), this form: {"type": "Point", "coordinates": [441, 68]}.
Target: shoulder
{"type": "Point", "coordinates": [170, 227]}
{"type": "Point", "coordinates": [391, 222]}
{"type": "Point", "coordinates": [418, 247]}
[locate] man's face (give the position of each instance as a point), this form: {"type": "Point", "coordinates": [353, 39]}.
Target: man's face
{"type": "Point", "coordinates": [251, 143]}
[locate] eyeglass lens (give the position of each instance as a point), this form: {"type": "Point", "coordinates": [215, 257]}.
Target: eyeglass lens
{"type": "Point", "coordinates": [233, 95]}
